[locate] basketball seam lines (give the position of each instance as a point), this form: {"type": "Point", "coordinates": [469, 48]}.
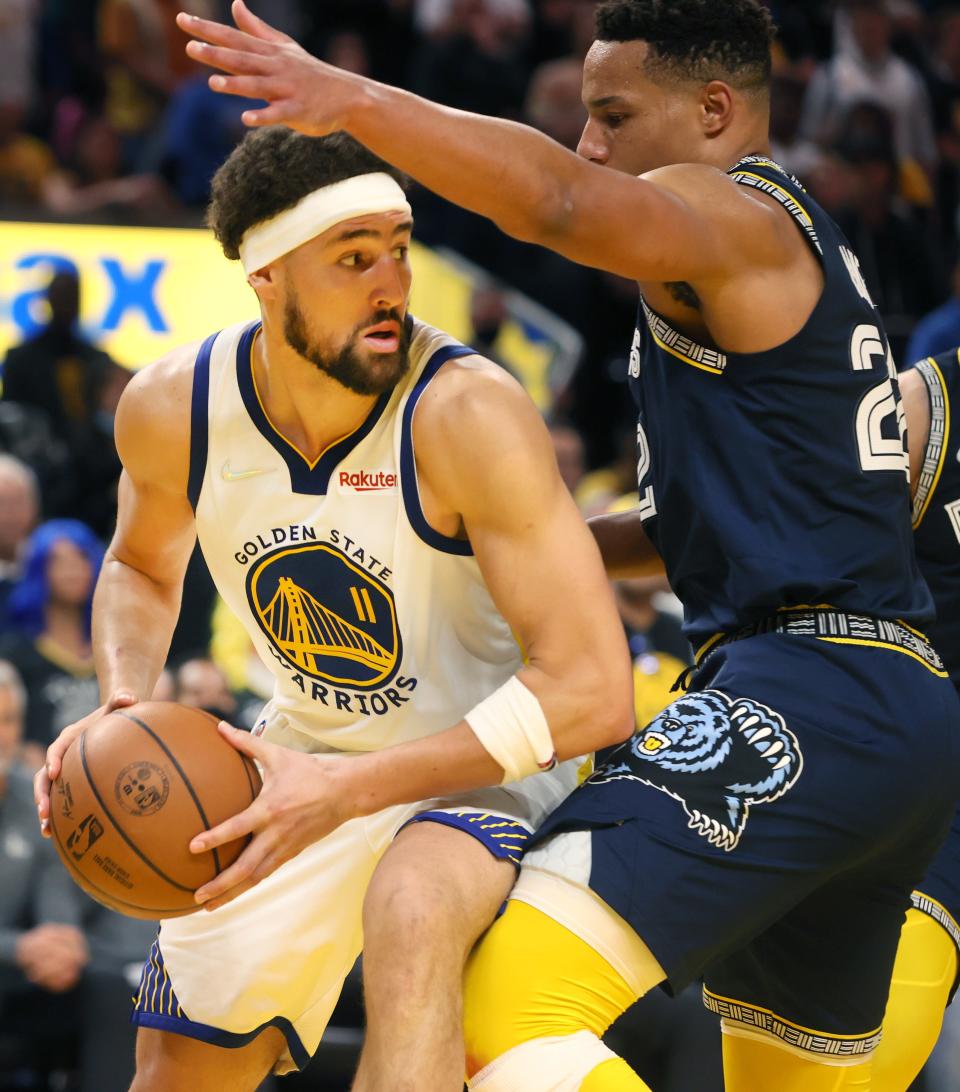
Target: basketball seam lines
{"type": "Point", "coordinates": [180, 770]}
{"type": "Point", "coordinates": [115, 825]}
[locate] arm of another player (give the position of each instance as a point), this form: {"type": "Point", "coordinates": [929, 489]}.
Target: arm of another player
{"type": "Point", "coordinates": [484, 457]}
{"type": "Point", "coordinates": [691, 223]}
{"type": "Point", "coordinates": [626, 549]}
{"type": "Point", "coordinates": [916, 403]}
{"type": "Point", "coordinates": [137, 599]}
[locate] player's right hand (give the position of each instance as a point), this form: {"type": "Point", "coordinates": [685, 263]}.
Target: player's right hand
{"type": "Point", "coordinates": [50, 771]}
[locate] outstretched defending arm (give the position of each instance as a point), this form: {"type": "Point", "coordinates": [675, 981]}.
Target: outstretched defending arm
{"type": "Point", "coordinates": [687, 222]}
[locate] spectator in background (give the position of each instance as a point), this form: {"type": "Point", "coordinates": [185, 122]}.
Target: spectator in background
{"type": "Point", "coordinates": [200, 129]}
{"type": "Point", "coordinates": [19, 512]}
{"type": "Point", "coordinates": [945, 90]}
{"type": "Point", "coordinates": [553, 102]}
{"type": "Point", "coordinates": [868, 70]}
{"type": "Point", "coordinates": [200, 683]}
{"type": "Point", "coordinates": [57, 370]}
{"type": "Point", "coordinates": [26, 162]}
{"type": "Point", "coordinates": [562, 28]}
{"type": "Point", "coordinates": [488, 313]}
{"type": "Point", "coordinates": [145, 65]}
{"type": "Point", "coordinates": [478, 65]}
{"type": "Point", "coordinates": [67, 965]}
{"type": "Point", "coordinates": [900, 264]}
{"type": "Point", "coordinates": [937, 331]}
{"type": "Point", "coordinates": [799, 155]}
{"type": "Point", "coordinates": [43, 952]}
{"type": "Point", "coordinates": [94, 180]}
{"type": "Point", "coordinates": [95, 467]}
{"type": "Point", "coordinates": [48, 626]}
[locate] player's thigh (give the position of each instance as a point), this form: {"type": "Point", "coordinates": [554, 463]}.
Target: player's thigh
{"type": "Point", "coordinates": [817, 979]}
{"type": "Point", "coordinates": [434, 880]}
{"type": "Point", "coordinates": [168, 1062]}
{"type": "Point", "coordinates": [924, 977]}
{"type": "Point", "coordinates": [762, 1064]}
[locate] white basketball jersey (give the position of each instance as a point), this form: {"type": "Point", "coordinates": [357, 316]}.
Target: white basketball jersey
{"type": "Point", "coordinates": [377, 628]}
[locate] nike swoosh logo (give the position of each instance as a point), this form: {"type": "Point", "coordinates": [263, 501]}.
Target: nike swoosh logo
{"type": "Point", "coordinates": [229, 475]}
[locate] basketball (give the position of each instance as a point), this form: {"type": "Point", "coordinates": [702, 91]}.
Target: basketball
{"type": "Point", "coordinates": [134, 789]}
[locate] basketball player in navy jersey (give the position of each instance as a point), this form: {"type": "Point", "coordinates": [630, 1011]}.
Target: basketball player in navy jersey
{"type": "Point", "coordinates": [926, 971]}
{"type": "Point", "coordinates": [768, 827]}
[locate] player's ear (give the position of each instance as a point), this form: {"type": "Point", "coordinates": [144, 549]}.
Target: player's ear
{"type": "Point", "coordinates": [716, 107]}
{"type": "Point", "coordinates": [264, 281]}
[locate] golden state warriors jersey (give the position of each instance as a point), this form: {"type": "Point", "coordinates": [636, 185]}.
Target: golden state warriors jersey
{"type": "Point", "coordinates": [377, 628]}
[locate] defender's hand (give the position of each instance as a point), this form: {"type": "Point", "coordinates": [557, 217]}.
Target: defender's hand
{"type": "Point", "coordinates": [302, 800]}
{"type": "Point", "coordinates": [50, 771]}
{"type": "Point", "coordinates": [262, 63]}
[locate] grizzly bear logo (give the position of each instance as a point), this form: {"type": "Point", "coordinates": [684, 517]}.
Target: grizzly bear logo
{"type": "Point", "coordinates": [714, 754]}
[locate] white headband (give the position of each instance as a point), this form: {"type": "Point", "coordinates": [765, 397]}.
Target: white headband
{"type": "Point", "coordinates": [362, 195]}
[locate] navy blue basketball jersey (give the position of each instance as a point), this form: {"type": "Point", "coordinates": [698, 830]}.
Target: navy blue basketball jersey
{"type": "Point", "coordinates": [936, 507]}
{"type": "Point", "coordinates": [779, 478]}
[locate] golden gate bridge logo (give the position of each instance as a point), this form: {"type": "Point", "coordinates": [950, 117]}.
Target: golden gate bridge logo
{"type": "Point", "coordinates": [325, 615]}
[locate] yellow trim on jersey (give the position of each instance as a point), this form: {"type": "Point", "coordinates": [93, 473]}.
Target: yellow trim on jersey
{"type": "Point", "coordinates": [790, 1023]}
{"type": "Point", "coordinates": [915, 632]}
{"type": "Point", "coordinates": [681, 356]}
{"type": "Point", "coordinates": [266, 416]}
{"type": "Point", "coordinates": [706, 646]}
{"type": "Point", "coordinates": [786, 193]}
{"type": "Point", "coordinates": [884, 644]}
{"type": "Point", "coordinates": [946, 440]}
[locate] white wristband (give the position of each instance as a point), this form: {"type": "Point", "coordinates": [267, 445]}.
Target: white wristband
{"type": "Point", "coordinates": [513, 730]}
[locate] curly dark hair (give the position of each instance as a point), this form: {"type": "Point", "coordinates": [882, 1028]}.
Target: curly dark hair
{"type": "Point", "coordinates": [696, 39]}
{"type": "Point", "coordinates": [271, 169]}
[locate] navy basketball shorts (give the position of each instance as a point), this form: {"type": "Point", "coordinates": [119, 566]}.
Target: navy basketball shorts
{"type": "Point", "coordinates": [766, 830]}
{"type": "Point", "coordinates": [938, 893]}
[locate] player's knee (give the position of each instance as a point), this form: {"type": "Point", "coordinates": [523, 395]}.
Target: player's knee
{"type": "Point", "coordinates": [560, 1063]}
{"type": "Point", "coordinates": [406, 917]}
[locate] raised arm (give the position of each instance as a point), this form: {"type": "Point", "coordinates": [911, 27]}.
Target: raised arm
{"type": "Point", "coordinates": [688, 222]}
{"type": "Point", "coordinates": [137, 599]}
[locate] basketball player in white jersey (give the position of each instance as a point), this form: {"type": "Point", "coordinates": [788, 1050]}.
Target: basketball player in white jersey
{"type": "Point", "coordinates": [383, 510]}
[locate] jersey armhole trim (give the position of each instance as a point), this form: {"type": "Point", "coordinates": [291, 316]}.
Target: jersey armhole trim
{"type": "Point", "coordinates": [783, 196]}
{"type": "Point", "coordinates": [408, 464]}
{"type": "Point", "coordinates": [937, 441]}
{"type": "Point", "coordinates": [199, 421]}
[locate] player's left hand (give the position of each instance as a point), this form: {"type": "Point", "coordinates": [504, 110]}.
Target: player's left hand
{"type": "Point", "coordinates": [263, 63]}
{"type": "Point", "coordinates": [301, 801]}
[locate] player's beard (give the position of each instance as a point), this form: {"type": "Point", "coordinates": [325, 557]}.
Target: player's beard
{"type": "Point", "coordinates": [363, 373]}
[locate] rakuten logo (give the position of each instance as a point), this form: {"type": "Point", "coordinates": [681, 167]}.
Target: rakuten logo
{"type": "Point", "coordinates": [367, 481]}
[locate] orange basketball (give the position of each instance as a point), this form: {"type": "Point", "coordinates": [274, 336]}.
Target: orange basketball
{"type": "Point", "coordinates": [134, 789]}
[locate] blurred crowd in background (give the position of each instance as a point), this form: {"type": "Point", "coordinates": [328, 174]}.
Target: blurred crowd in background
{"type": "Point", "coordinates": [103, 119]}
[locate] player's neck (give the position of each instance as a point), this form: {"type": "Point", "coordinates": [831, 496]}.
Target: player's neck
{"type": "Point", "coordinates": [308, 407]}
{"type": "Point", "coordinates": [750, 137]}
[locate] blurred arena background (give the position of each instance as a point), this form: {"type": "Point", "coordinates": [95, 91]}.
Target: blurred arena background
{"type": "Point", "coordinates": [108, 139]}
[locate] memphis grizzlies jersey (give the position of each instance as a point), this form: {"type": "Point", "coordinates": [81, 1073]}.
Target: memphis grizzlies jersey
{"type": "Point", "coordinates": [779, 478]}
{"type": "Point", "coordinates": [936, 506]}
{"type": "Point", "coordinates": [377, 628]}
